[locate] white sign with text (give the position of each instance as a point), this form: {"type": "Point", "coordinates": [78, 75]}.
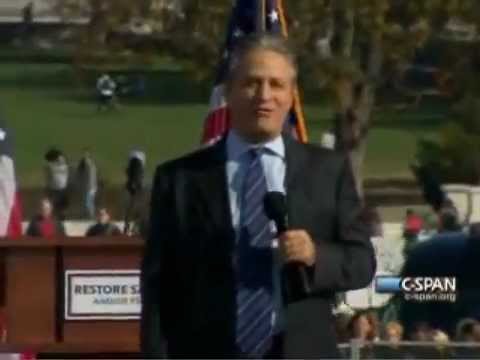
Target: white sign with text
{"type": "Point", "coordinates": [102, 295]}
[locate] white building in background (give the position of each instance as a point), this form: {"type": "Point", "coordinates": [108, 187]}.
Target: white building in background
{"type": "Point", "coordinates": [460, 31]}
{"type": "Point", "coordinates": [11, 11]}
{"type": "Point", "coordinates": [43, 12]}
{"type": "Point", "coordinates": [467, 201]}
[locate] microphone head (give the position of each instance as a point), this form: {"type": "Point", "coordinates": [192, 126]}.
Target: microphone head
{"type": "Point", "coordinates": [275, 205]}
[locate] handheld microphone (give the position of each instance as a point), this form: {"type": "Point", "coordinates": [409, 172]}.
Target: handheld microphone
{"type": "Point", "coordinates": [275, 206]}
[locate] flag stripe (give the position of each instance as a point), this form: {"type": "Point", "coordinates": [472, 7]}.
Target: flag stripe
{"type": "Point", "coordinates": [7, 192]}
{"type": "Point", "coordinates": [10, 214]}
{"type": "Point", "coordinates": [10, 219]}
{"type": "Point", "coordinates": [14, 229]}
{"type": "Point", "coordinates": [216, 124]}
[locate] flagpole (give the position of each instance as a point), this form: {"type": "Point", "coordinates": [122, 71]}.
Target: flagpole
{"type": "Point", "coordinates": [297, 108]}
{"type": "Point", "coordinates": [261, 16]}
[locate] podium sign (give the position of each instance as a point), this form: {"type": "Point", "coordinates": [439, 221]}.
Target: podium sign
{"type": "Point", "coordinates": [95, 317]}
{"type": "Point", "coordinates": [102, 295]}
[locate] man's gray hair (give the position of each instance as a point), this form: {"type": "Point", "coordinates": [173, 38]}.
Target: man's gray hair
{"type": "Point", "coordinates": [268, 42]}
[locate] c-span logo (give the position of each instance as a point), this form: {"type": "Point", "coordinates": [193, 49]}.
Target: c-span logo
{"type": "Point", "coordinates": [420, 288]}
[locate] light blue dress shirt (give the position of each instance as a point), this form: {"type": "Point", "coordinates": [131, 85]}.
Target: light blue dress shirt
{"type": "Point", "coordinates": [274, 166]}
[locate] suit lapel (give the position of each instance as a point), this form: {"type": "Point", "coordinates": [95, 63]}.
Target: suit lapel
{"type": "Point", "coordinates": [212, 188]}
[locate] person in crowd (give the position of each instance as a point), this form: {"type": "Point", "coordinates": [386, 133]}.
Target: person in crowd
{"type": "Point", "coordinates": [430, 227]}
{"type": "Point", "coordinates": [106, 88]}
{"type": "Point", "coordinates": [421, 331]}
{"type": "Point", "coordinates": [364, 325]}
{"type": "Point", "coordinates": [45, 224]}
{"type": "Point", "coordinates": [442, 349]}
{"type": "Point", "coordinates": [213, 273]}
{"type": "Point", "coordinates": [440, 337]}
{"type": "Point", "coordinates": [375, 221]}
{"type": "Point", "coordinates": [468, 331]}
{"type": "Point", "coordinates": [448, 219]}
{"type": "Point", "coordinates": [412, 228]}
{"type": "Point", "coordinates": [393, 334]}
{"type": "Point", "coordinates": [57, 180]}
{"type": "Point", "coordinates": [104, 225]}
{"type": "Point", "coordinates": [87, 182]}
{"type": "Point", "coordinates": [413, 224]}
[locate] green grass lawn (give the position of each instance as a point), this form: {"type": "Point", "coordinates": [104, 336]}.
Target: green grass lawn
{"type": "Point", "coordinates": [46, 105]}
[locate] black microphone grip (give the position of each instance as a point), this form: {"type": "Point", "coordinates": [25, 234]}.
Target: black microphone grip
{"type": "Point", "coordinates": [276, 209]}
{"type": "Point", "coordinates": [282, 226]}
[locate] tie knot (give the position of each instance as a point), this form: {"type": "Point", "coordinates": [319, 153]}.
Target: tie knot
{"type": "Point", "coordinates": [255, 152]}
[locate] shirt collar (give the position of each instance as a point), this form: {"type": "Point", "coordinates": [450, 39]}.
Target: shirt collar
{"type": "Point", "coordinates": [237, 146]}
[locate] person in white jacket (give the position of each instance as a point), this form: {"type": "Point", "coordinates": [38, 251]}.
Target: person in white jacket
{"type": "Point", "coordinates": [57, 177]}
{"type": "Point", "coordinates": [106, 88]}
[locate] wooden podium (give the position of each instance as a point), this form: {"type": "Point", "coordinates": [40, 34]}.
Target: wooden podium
{"type": "Point", "coordinates": [32, 274]}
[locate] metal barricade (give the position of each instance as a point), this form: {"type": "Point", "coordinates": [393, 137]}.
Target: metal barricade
{"type": "Point", "coordinates": [356, 350]}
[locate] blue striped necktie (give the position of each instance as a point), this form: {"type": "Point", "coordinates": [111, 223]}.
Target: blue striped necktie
{"type": "Point", "coordinates": [254, 264]}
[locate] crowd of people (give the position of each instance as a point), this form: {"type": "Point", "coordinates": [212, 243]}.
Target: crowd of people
{"type": "Point", "coordinates": [378, 338]}
{"type": "Point", "coordinates": [60, 177]}
{"type": "Point", "coordinates": [47, 225]}
{"type": "Point", "coordinates": [390, 340]}
{"type": "Point", "coordinates": [446, 220]}
{"type": "Point", "coordinates": [80, 182]}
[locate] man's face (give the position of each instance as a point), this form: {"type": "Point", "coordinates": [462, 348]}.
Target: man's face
{"type": "Point", "coordinates": [46, 208]}
{"type": "Point", "coordinates": [260, 95]}
{"type": "Point", "coordinates": [103, 216]}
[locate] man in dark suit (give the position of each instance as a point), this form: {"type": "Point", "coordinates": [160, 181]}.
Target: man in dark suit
{"type": "Point", "coordinates": [217, 280]}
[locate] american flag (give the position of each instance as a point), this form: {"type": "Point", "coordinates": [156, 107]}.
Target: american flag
{"type": "Point", "coordinates": [10, 211]}
{"type": "Point", "coordinates": [243, 21]}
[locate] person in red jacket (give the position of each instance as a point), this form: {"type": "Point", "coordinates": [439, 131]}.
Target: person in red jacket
{"type": "Point", "coordinates": [413, 224]}
{"type": "Point", "coordinates": [45, 224]}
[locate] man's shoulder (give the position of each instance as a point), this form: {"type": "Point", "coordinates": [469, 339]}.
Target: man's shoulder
{"type": "Point", "coordinates": [197, 160]}
{"type": "Point", "coordinates": [320, 153]}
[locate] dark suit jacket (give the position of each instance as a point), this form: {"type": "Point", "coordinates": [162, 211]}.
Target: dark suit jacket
{"type": "Point", "coordinates": [188, 286]}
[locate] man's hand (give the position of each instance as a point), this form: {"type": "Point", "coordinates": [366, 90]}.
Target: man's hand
{"type": "Point", "coordinates": [297, 246]}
